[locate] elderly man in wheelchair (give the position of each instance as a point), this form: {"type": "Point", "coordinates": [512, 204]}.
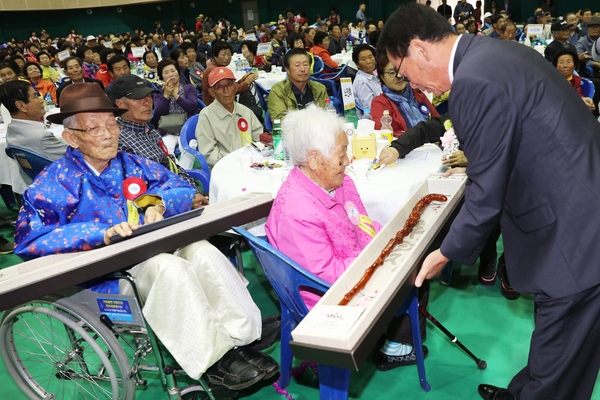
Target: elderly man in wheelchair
{"type": "Point", "coordinates": [195, 301]}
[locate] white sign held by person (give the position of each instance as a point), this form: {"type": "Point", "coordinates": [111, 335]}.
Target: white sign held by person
{"type": "Point", "coordinates": [535, 30]}
{"type": "Point", "coordinates": [347, 94]}
{"type": "Point", "coordinates": [263, 48]}
{"type": "Point", "coordinates": [355, 33]}
{"type": "Point", "coordinates": [251, 36]}
{"type": "Point", "coordinates": [138, 52]}
{"type": "Point", "coordinates": [63, 54]}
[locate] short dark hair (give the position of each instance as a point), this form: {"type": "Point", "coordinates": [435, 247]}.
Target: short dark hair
{"type": "Point", "coordinates": [28, 64]}
{"type": "Point", "coordinates": [360, 48]}
{"type": "Point", "coordinates": [115, 59]}
{"type": "Point", "coordinates": [66, 61]}
{"type": "Point", "coordinates": [175, 54]}
{"type": "Point", "coordinates": [218, 45]}
{"type": "Point", "coordinates": [8, 63]}
{"type": "Point", "coordinates": [382, 61]}
{"type": "Point", "coordinates": [11, 92]}
{"type": "Point", "coordinates": [81, 51]}
{"type": "Point", "coordinates": [319, 37]}
{"type": "Point", "coordinates": [412, 21]}
{"type": "Point", "coordinates": [293, 37]}
{"type": "Point", "coordinates": [169, 33]}
{"type": "Point", "coordinates": [185, 46]}
{"type": "Point", "coordinates": [331, 26]}
{"type": "Point", "coordinates": [31, 45]}
{"type": "Point", "coordinates": [251, 45]}
{"type": "Point", "coordinates": [374, 37]}
{"type": "Point", "coordinates": [164, 63]}
{"type": "Point", "coordinates": [584, 10]}
{"type": "Point", "coordinates": [562, 52]}
{"type": "Point", "coordinates": [495, 18]}
{"type": "Point", "coordinates": [146, 54]}
{"type": "Point", "coordinates": [293, 52]}
{"type": "Point", "coordinates": [104, 53]}
{"type": "Point", "coordinates": [506, 25]}
{"type": "Point", "coordinates": [41, 53]}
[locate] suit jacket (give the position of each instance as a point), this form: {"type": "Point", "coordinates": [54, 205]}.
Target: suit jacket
{"type": "Point", "coordinates": [445, 10]}
{"type": "Point", "coordinates": [534, 162]}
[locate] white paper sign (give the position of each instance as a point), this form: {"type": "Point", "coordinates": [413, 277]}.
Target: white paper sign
{"type": "Point", "coordinates": [347, 94]}
{"type": "Point", "coordinates": [355, 34]}
{"type": "Point", "coordinates": [240, 32]}
{"type": "Point", "coordinates": [138, 52]}
{"type": "Point", "coordinates": [108, 44]}
{"type": "Point", "coordinates": [535, 29]}
{"type": "Point", "coordinates": [250, 15]}
{"type": "Point", "coordinates": [250, 36]}
{"type": "Point", "coordinates": [63, 54]}
{"type": "Point", "coordinates": [332, 321]}
{"type": "Point", "coordinates": [263, 48]}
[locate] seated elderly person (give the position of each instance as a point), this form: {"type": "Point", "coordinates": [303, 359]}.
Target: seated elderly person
{"type": "Point", "coordinates": [48, 73]}
{"type": "Point", "coordinates": [249, 48]}
{"type": "Point", "coordinates": [366, 86]}
{"type": "Point", "coordinates": [74, 70]}
{"type": "Point", "coordinates": [221, 57]}
{"type": "Point", "coordinates": [82, 200]}
{"type": "Point", "coordinates": [25, 130]}
{"type": "Point", "coordinates": [407, 106]}
{"type": "Point", "coordinates": [34, 73]}
{"type": "Point", "coordinates": [321, 49]}
{"type": "Point", "coordinates": [297, 91]}
{"type": "Point", "coordinates": [314, 216]}
{"type": "Point", "coordinates": [225, 125]}
{"type": "Point", "coordinates": [86, 55]}
{"type": "Point", "coordinates": [565, 61]}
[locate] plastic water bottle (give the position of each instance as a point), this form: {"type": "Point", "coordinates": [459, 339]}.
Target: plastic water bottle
{"type": "Point", "coordinates": [386, 121]}
{"type": "Point", "coordinates": [351, 117]}
{"type": "Point", "coordinates": [349, 46]}
{"type": "Point", "coordinates": [278, 152]}
{"type": "Point", "coordinates": [329, 107]}
{"type": "Point", "coordinates": [367, 114]}
{"type": "Point", "coordinates": [48, 103]}
{"type": "Point", "coordinates": [140, 68]}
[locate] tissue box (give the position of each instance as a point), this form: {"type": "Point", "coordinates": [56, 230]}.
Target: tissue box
{"type": "Point", "coordinates": [364, 147]}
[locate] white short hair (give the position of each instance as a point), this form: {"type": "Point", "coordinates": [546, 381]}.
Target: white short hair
{"type": "Point", "coordinates": [310, 129]}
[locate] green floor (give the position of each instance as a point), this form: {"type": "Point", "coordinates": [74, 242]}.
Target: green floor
{"type": "Point", "coordinates": [493, 328]}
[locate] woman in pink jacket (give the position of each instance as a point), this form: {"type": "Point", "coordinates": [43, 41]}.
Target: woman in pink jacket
{"type": "Point", "coordinates": [319, 220]}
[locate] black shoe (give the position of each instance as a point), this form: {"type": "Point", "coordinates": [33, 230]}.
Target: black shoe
{"type": "Point", "coordinates": [489, 392]}
{"type": "Point", "coordinates": [6, 247]}
{"type": "Point", "coordinates": [487, 273]}
{"type": "Point", "coordinates": [507, 291]}
{"type": "Point", "coordinates": [260, 360]}
{"type": "Point", "coordinates": [271, 331]}
{"type": "Point", "coordinates": [384, 362]}
{"type": "Point", "coordinates": [233, 372]}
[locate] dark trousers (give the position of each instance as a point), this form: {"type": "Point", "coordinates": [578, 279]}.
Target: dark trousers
{"type": "Point", "coordinates": [564, 357]}
{"type": "Point", "coordinates": [488, 253]}
{"type": "Point", "coordinates": [399, 329]}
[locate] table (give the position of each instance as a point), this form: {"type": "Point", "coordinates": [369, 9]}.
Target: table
{"type": "Point", "coordinates": [383, 192]}
{"type": "Point", "coordinates": [344, 58]}
{"type": "Point", "coordinates": [9, 168]}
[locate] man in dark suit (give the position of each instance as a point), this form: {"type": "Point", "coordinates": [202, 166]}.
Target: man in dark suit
{"type": "Point", "coordinates": [445, 10]}
{"type": "Point", "coordinates": [509, 8]}
{"type": "Point", "coordinates": [534, 163]}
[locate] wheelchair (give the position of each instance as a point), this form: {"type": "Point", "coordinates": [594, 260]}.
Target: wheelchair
{"type": "Point", "coordinates": [80, 344]}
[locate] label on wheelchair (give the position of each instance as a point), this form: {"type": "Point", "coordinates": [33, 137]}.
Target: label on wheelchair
{"type": "Point", "coordinates": [115, 309]}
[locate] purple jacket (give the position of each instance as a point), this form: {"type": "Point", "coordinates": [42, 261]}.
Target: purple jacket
{"type": "Point", "coordinates": [313, 228]}
{"type": "Point", "coordinates": [189, 102]}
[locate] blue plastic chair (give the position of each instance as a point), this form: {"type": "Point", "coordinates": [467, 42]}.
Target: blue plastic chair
{"type": "Point", "coordinates": [287, 277]}
{"type": "Point", "coordinates": [201, 104]}
{"type": "Point", "coordinates": [336, 74]}
{"type": "Point", "coordinates": [29, 162]}
{"type": "Point", "coordinates": [587, 88]}
{"type": "Point", "coordinates": [335, 93]}
{"type": "Point", "coordinates": [188, 133]}
{"type": "Point", "coordinates": [268, 123]}
{"type": "Point", "coordinates": [263, 96]}
{"type": "Point", "coordinates": [589, 71]}
{"type": "Point", "coordinates": [317, 66]}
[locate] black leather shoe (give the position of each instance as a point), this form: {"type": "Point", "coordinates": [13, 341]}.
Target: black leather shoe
{"type": "Point", "coordinates": [261, 361]}
{"type": "Point", "coordinates": [487, 273]}
{"type": "Point", "coordinates": [384, 362]}
{"type": "Point", "coordinates": [489, 392]}
{"type": "Point", "coordinates": [507, 291]}
{"type": "Point", "coordinates": [271, 331]}
{"type": "Point", "coordinates": [233, 372]}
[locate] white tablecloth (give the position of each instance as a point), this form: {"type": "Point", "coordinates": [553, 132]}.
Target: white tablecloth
{"type": "Point", "coordinates": [383, 192]}
{"type": "Point", "coordinates": [344, 58]}
{"type": "Point", "coordinates": [9, 168]}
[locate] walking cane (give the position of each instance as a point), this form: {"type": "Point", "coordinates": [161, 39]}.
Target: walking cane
{"type": "Point", "coordinates": [481, 364]}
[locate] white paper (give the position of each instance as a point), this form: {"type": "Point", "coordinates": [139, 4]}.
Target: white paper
{"type": "Point", "coordinates": [250, 14]}
{"type": "Point", "coordinates": [138, 52]}
{"type": "Point", "coordinates": [535, 29]}
{"type": "Point", "coordinates": [332, 321]}
{"type": "Point", "coordinates": [365, 127]}
{"type": "Point", "coordinates": [63, 54]}
{"type": "Point", "coordinates": [108, 44]}
{"type": "Point", "coordinates": [354, 33]}
{"type": "Point", "coordinates": [347, 94]}
{"type": "Point", "coordinates": [250, 36]}
{"type": "Point", "coordinates": [263, 48]}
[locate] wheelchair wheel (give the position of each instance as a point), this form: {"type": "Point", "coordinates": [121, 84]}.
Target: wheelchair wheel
{"type": "Point", "coordinates": [55, 348]}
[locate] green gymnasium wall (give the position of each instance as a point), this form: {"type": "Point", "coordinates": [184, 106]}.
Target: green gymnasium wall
{"type": "Point", "coordinates": [18, 24]}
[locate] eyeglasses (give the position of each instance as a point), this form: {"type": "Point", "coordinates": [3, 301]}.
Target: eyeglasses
{"type": "Point", "coordinates": [397, 71]}
{"type": "Point", "coordinates": [96, 131]}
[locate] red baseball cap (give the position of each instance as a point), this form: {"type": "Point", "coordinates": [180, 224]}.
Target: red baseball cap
{"type": "Point", "coordinates": [218, 74]}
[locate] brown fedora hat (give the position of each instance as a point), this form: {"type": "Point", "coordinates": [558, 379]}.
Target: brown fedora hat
{"type": "Point", "coordinates": [83, 97]}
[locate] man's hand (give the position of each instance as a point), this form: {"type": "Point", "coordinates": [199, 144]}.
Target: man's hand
{"type": "Point", "coordinates": [123, 229]}
{"type": "Point", "coordinates": [250, 77]}
{"type": "Point", "coordinates": [388, 155]}
{"type": "Point", "coordinates": [456, 159]}
{"type": "Point", "coordinates": [199, 201]}
{"type": "Point", "coordinates": [589, 103]}
{"type": "Point", "coordinates": [453, 171]}
{"type": "Point", "coordinates": [432, 265]}
{"type": "Point", "coordinates": [154, 214]}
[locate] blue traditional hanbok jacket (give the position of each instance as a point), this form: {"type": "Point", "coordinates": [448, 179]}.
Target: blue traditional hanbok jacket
{"type": "Point", "coordinates": [68, 207]}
